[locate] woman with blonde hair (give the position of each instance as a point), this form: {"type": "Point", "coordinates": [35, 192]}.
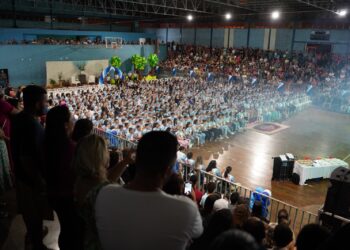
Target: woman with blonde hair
{"type": "Point", "coordinates": [90, 162]}
{"type": "Point", "coordinates": [199, 164]}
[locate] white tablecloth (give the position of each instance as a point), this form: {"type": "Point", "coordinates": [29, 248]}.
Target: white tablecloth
{"type": "Point", "coordinates": [319, 168]}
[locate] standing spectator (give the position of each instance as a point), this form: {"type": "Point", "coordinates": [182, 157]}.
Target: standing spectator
{"type": "Point", "coordinates": [5, 177]}
{"type": "Point", "coordinates": [226, 174]}
{"type": "Point", "coordinates": [60, 175]}
{"type": "Point", "coordinates": [6, 111]}
{"type": "Point", "coordinates": [283, 217]}
{"type": "Point", "coordinates": [208, 208]}
{"type": "Point", "coordinates": [27, 138]}
{"type": "Point", "coordinates": [283, 237]}
{"type": "Point", "coordinates": [213, 169]}
{"type": "Point", "coordinates": [174, 185]}
{"type": "Point", "coordinates": [234, 239]}
{"type": "Point", "coordinates": [220, 222]}
{"type": "Point", "coordinates": [199, 164]}
{"type": "Point", "coordinates": [181, 156]}
{"type": "Point", "coordinates": [82, 127]}
{"type": "Point", "coordinates": [234, 199]}
{"type": "Point", "coordinates": [256, 228]}
{"type": "Point", "coordinates": [220, 204]}
{"type": "Point", "coordinates": [240, 216]}
{"type": "Point", "coordinates": [190, 161]}
{"type": "Point", "coordinates": [90, 163]}
{"type": "Point", "coordinates": [197, 192]}
{"type": "Point", "coordinates": [312, 237]}
{"type": "Point", "coordinates": [257, 211]}
{"type": "Point", "coordinates": [166, 222]}
{"type": "Point", "coordinates": [211, 186]}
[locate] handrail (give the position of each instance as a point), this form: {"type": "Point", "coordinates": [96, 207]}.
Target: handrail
{"type": "Point", "coordinates": [241, 186]}
{"type": "Point", "coordinates": [343, 219]}
{"type": "Point", "coordinates": [298, 217]}
{"type": "Point", "coordinates": [114, 140]}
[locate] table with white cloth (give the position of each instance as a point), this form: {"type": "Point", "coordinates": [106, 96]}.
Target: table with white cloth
{"type": "Point", "coordinates": [312, 169]}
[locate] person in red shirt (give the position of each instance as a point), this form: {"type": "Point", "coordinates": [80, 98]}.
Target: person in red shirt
{"type": "Point", "coordinates": [6, 111]}
{"type": "Point", "coordinates": [197, 192]}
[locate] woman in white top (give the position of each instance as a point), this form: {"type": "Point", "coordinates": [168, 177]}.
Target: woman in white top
{"type": "Point", "coordinates": [226, 174]}
{"type": "Point", "coordinates": [212, 168]}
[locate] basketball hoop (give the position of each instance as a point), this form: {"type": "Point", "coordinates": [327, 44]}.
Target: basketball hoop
{"type": "Point", "coordinates": [113, 42]}
{"type": "Point", "coordinates": [114, 45]}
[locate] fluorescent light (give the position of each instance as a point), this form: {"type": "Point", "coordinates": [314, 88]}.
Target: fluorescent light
{"type": "Point", "coordinates": [228, 16]}
{"type": "Point", "coordinates": [189, 17]}
{"type": "Point", "coordinates": [275, 15]}
{"type": "Point", "coordinates": [342, 12]}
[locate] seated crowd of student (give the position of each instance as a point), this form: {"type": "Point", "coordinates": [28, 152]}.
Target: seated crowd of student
{"type": "Point", "coordinates": [267, 66]}
{"type": "Point", "coordinates": [327, 73]}
{"type": "Point", "coordinates": [194, 110]}
{"type": "Point", "coordinates": [103, 202]}
{"type": "Point", "coordinates": [334, 96]}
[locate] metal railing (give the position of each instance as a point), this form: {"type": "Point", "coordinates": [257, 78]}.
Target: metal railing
{"type": "Point", "coordinates": [321, 212]}
{"type": "Point", "coordinates": [298, 217]}
{"type": "Point", "coordinates": [113, 140]}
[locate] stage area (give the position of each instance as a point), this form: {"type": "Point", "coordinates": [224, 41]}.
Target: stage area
{"type": "Point", "coordinates": [311, 133]}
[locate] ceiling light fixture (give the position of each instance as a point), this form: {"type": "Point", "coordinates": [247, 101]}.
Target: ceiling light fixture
{"type": "Point", "coordinates": [275, 15]}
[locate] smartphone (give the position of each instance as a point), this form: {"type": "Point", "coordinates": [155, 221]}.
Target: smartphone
{"type": "Point", "coordinates": [188, 188]}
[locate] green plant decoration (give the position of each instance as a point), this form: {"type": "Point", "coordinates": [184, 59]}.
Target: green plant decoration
{"type": "Point", "coordinates": [139, 62]}
{"type": "Point", "coordinates": [153, 60]}
{"type": "Point", "coordinates": [115, 61]}
{"type": "Point", "coordinates": [80, 65]}
{"type": "Point", "coordinates": [134, 58]}
{"type": "Point", "coordinates": [52, 82]}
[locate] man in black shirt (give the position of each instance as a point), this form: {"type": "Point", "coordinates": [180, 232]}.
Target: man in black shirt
{"type": "Point", "coordinates": [27, 137]}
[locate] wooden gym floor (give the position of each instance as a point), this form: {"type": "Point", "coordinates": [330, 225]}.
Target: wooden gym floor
{"type": "Point", "coordinates": [312, 132]}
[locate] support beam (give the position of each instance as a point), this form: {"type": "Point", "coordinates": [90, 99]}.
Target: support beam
{"type": "Point", "coordinates": [211, 37]}
{"type": "Point", "coordinates": [248, 35]}
{"type": "Point", "coordinates": [181, 34]}
{"type": "Point", "coordinates": [293, 39]}
{"type": "Point", "coordinates": [228, 37]}
{"type": "Point", "coordinates": [51, 15]}
{"type": "Point", "coordinates": [14, 14]}
{"type": "Point", "coordinates": [166, 34]}
{"type": "Point", "coordinates": [195, 36]}
{"type": "Point", "coordinates": [316, 6]}
{"type": "Point", "coordinates": [228, 4]}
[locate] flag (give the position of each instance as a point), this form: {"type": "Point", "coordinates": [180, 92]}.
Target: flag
{"type": "Point", "coordinates": [254, 80]}
{"type": "Point", "coordinates": [192, 73]}
{"type": "Point", "coordinates": [280, 86]}
{"type": "Point", "coordinates": [308, 90]}
{"type": "Point", "coordinates": [232, 78]}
